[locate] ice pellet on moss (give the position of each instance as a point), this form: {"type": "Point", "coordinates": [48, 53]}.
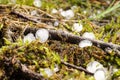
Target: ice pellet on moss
{"type": "Point", "coordinates": [85, 43]}
{"type": "Point", "coordinates": [54, 11]}
{"type": "Point", "coordinates": [34, 13]}
{"type": "Point", "coordinates": [100, 74]}
{"type": "Point", "coordinates": [74, 7]}
{"type": "Point", "coordinates": [12, 1]}
{"type": "Point", "coordinates": [77, 27]}
{"type": "Point", "coordinates": [37, 3]}
{"type": "Point", "coordinates": [49, 72]}
{"type": "Point", "coordinates": [68, 14]}
{"type": "Point", "coordinates": [89, 35]}
{"type": "Point", "coordinates": [42, 35]}
{"type": "Point", "coordinates": [29, 38]}
{"type": "Point", "coordinates": [56, 23]}
{"type": "Point", "coordinates": [93, 66]}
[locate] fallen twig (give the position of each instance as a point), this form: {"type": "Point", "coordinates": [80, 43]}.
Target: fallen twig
{"type": "Point", "coordinates": [39, 10]}
{"type": "Point", "coordinates": [22, 69]}
{"type": "Point", "coordinates": [61, 35]}
{"type": "Point", "coordinates": [29, 73]}
{"type": "Point", "coordinates": [74, 39]}
{"type": "Point", "coordinates": [76, 67]}
{"type": "Point", "coordinates": [2, 6]}
{"type": "Point", "coordinates": [38, 20]}
{"type": "Point", "coordinates": [30, 18]}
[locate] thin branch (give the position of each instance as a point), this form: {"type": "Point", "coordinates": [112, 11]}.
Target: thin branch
{"type": "Point", "coordinates": [30, 18]}
{"type": "Point", "coordinates": [2, 6]}
{"type": "Point", "coordinates": [39, 10]}
{"type": "Point", "coordinates": [22, 69]}
{"type": "Point", "coordinates": [37, 19]}
{"type": "Point", "coordinates": [60, 35]}
{"type": "Point", "coordinates": [76, 67]}
{"type": "Point", "coordinates": [74, 39]}
{"type": "Point", "coordinates": [29, 73]}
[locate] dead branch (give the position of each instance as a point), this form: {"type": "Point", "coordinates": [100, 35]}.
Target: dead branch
{"type": "Point", "coordinates": [61, 35]}
{"type": "Point", "coordinates": [2, 6]}
{"type": "Point", "coordinates": [31, 18]}
{"type": "Point", "coordinates": [74, 39]}
{"type": "Point", "coordinates": [43, 12]}
{"type": "Point", "coordinates": [75, 67]}
{"type": "Point", "coordinates": [37, 19]}
{"type": "Point", "coordinates": [29, 73]}
{"type": "Point", "coordinates": [22, 69]}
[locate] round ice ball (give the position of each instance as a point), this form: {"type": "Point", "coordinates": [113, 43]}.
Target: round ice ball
{"type": "Point", "coordinates": [42, 35]}
{"type": "Point", "coordinates": [93, 66]}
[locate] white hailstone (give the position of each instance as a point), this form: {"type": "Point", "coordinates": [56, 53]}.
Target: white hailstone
{"type": "Point", "coordinates": [68, 14]}
{"type": "Point", "coordinates": [89, 35]}
{"type": "Point", "coordinates": [60, 10]}
{"type": "Point", "coordinates": [108, 2]}
{"type": "Point", "coordinates": [98, 11]}
{"type": "Point", "coordinates": [54, 11]}
{"type": "Point", "coordinates": [56, 69]}
{"type": "Point", "coordinates": [84, 11]}
{"type": "Point", "coordinates": [85, 43]}
{"type": "Point", "coordinates": [50, 72]}
{"type": "Point", "coordinates": [72, 79]}
{"type": "Point", "coordinates": [93, 66]}
{"type": "Point", "coordinates": [56, 23]}
{"type": "Point", "coordinates": [33, 13]}
{"type": "Point", "coordinates": [100, 74]}
{"type": "Point", "coordinates": [63, 13]}
{"type": "Point", "coordinates": [37, 3]}
{"type": "Point", "coordinates": [92, 16]}
{"type": "Point", "coordinates": [77, 27]}
{"type": "Point", "coordinates": [74, 7]}
{"type": "Point", "coordinates": [42, 35]}
{"type": "Point", "coordinates": [115, 70]}
{"type": "Point", "coordinates": [29, 37]}
{"type": "Point", "coordinates": [13, 1]}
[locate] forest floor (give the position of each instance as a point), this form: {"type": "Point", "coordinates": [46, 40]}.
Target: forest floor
{"type": "Point", "coordinates": [60, 57]}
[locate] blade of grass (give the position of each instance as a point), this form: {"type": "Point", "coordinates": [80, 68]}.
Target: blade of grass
{"type": "Point", "coordinates": [108, 10]}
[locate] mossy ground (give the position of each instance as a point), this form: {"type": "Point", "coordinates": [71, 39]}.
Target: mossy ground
{"type": "Point", "coordinates": [37, 56]}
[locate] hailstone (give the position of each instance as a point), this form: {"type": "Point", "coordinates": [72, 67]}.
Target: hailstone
{"type": "Point", "coordinates": [77, 27]}
{"type": "Point", "coordinates": [54, 11]}
{"type": "Point", "coordinates": [68, 14]}
{"type": "Point", "coordinates": [49, 72]}
{"type": "Point", "coordinates": [37, 3]}
{"type": "Point", "coordinates": [29, 37]}
{"type": "Point", "coordinates": [85, 43]}
{"type": "Point", "coordinates": [93, 66]}
{"type": "Point", "coordinates": [100, 74]}
{"type": "Point", "coordinates": [42, 35]}
{"type": "Point", "coordinates": [89, 35]}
